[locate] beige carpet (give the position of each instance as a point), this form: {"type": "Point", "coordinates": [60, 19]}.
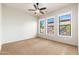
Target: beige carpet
{"type": "Point", "coordinates": [38, 46]}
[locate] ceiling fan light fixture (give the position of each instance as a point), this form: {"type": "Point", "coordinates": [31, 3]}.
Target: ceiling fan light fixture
{"type": "Point", "coordinates": [37, 11]}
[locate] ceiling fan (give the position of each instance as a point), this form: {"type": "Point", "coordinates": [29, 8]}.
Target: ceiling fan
{"type": "Point", "coordinates": [37, 9]}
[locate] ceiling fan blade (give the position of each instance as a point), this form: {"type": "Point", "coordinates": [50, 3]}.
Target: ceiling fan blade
{"type": "Point", "coordinates": [43, 8]}
{"type": "Point", "coordinates": [35, 12]}
{"type": "Point", "coordinates": [31, 9]}
{"type": "Point", "coordinates": [41, 12]}
{"type": "Point", "coordinates": [35, 6]}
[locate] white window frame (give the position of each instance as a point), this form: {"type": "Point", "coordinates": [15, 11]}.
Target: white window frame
{"type": "Point", "coordinates": [54, 26]}
{"type": "Point", "coordinates": [44, 26]}
{"type": "Point", "coordinates": [65, 13]}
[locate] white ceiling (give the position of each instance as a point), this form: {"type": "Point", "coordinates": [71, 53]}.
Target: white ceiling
{"type": "Point", "coordinates": [25, 6]}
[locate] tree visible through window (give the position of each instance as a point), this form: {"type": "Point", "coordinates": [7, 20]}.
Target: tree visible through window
{"type": "Point", "coordinates": [65, 25]}
{"type": "Point", "coordinates": [50, 26]}
{"type": "Point", "coordinates": [42, 26]}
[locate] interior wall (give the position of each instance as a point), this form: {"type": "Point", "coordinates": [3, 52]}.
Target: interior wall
{"type": "Point", "coordinates": [69, 40]}
{"type": "Point", "coordinates": [78, 29]}
{"type": "Point", "coordinates": [17, 25]}
{"type": "Point", "coordinates": [0, 27]}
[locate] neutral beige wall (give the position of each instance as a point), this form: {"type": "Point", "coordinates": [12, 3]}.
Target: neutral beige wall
{"type": "Point", "coordinates": [69, 40]}
{"type": "Point", "coordinates": [78, 29]}
{"type": "Point", "coordinates": [0, 26]}
{"type": "Point", "coordinates": [17, 25]}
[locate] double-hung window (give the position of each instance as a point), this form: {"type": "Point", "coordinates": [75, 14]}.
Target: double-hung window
{"type": "Point", "coordinates": [50, 26]}
{"type": "Point", "coordinates": [42, 26]}
{"type": "Point", "coordinates": [65, 24]}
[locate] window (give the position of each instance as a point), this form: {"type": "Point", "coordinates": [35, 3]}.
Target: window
{"type": "Point", "coordinates": [50, 26]}
{"type": "Point", "coordinates": [42, 26]}
{"type": "Point", "coordinates": [65, 25]}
